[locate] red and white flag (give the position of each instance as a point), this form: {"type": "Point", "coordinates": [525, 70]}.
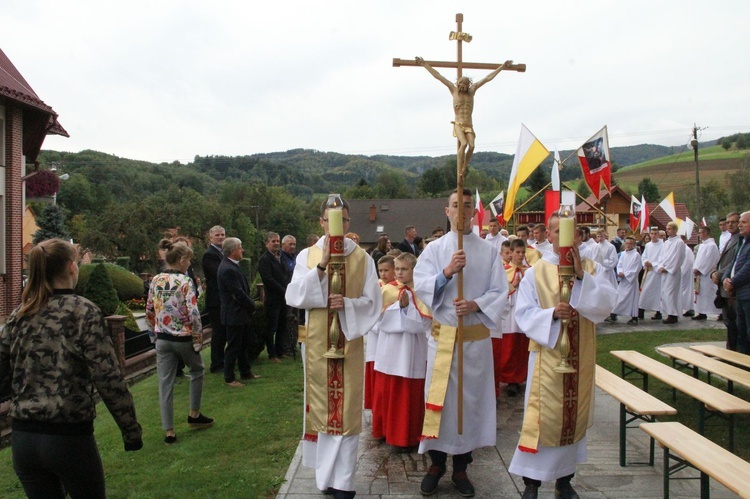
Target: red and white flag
{"type": "Point", "coordinates": [479, 217]}
{"type": "Point", "coordinates": [596, 163]}
{"type": "Point", "coordinates": [645, 215]}
{"type": "Point", "coordinates": [497, 206]}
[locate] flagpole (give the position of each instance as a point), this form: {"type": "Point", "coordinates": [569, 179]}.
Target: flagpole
{"type": "Point", "coordinates": [590, 205]}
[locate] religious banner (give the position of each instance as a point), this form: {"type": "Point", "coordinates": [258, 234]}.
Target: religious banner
{"type": "Point", "coordinates": [497, 206]}
{"type": "Point", "coordinates": [635, 213]}
{"type": "Point", "coordinates": [529, 155]}
{"type": "Point", "coordinates": [596, 162]}
{"type": "Point", "coordinates": [667, 204]}
{"type": "Point", "coordinates": [551, 203]}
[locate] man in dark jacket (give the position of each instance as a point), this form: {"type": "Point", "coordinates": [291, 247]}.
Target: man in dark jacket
{"type": "Point", "coordinates": [236, 310]}
{"type": "Point", "coordinates": [210, 262]}
{"type": "Point", "coordinates": [276, 277]}
{"type": "Point", "coordinates": [407, 245]}
{"type": "Point", "coordinates": [736, 281]}
{"type": "Point", "coordinates": [728, 253]}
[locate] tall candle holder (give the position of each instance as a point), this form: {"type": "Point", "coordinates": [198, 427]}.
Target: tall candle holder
{"type": "Point", "coordinates": [336, 243]}
{"type": "Point", "coordinates": [566, 271]}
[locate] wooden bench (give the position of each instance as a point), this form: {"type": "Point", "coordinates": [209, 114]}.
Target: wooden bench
{"type": "Point", "coordinates": [719, 402]}
{"type": "Point", "coordinates": [736, 358]}
{"type": "Point", "coordinates": [687, 448]}
{"type": "Point", "coordinates": [635, 405]}
{"type": "Point", "coordinates": [689, 358]}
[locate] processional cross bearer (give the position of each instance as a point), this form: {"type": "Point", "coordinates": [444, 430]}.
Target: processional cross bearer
{"type": "Point", "coordinates": [463, 105]}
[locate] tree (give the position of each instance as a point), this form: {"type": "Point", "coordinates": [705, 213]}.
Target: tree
{"type": "Point", "coordinates": [648, 190]}
{"type": "Point", "coordinates": [726, 143]}
{"type": "Point", "coordinates": [432, 182]}
{"type": "Point", "coordinates": [51, 224]}
{"type": "Point", "coordinates": [742, 141]}
{"type": "Point", "coordinates": [739, 188]}
{"type": "Point", "coordinates": [391, 185]}
{"type": "Point", "coordinates": [101, 291]}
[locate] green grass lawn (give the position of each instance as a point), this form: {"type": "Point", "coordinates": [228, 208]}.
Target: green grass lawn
{"type": "Point", "coordinates": [245, 454]}
{"type": "Point", "coordinates": [646, 343]}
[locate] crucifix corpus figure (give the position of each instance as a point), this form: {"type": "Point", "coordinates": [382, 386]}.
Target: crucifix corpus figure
{"type": "Point", "coordinates": [463, 106]}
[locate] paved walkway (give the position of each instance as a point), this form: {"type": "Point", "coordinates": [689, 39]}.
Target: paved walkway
{"type": "Point", "coordinates": [384, 473]}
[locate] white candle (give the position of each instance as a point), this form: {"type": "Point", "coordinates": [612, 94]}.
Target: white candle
{"type": "Point", "coordinates": [567, 227]}
{"type": "Point", "coordinates": [335, 222]}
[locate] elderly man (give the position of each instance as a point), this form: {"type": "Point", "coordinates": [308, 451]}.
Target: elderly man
{"type": "Point", "coordinates": [729, 313]}
{"type": "Point", "coordinates": [484, 299]}
{"type": "Point", "coordinates": [558, 406]}
{"type": "Point", "coordinates": [670, 268]}
{"type": "Point", "coordinates": [736, 281]}
{"type": "Point", "coordinates": [705, 261]}
{"type": "Point", "coordinates": [331, 431]}
{"type": "Point", "coordinates": [650, 298]}
{"type": "Point", "coordinates": [210, 263]}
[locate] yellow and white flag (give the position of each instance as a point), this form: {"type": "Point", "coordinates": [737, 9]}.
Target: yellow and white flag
{"type": "Point", "coordinates": [667, 204]}
{"type": "Point", "coordinates": [529, 155]}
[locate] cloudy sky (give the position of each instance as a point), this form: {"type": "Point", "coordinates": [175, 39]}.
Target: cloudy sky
{"type": "Point", "coordinates": [166, 80]}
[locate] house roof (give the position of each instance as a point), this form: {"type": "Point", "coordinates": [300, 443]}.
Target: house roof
{"type": "Point", "coordinates": [390, 216]}
{"type": "Point", "coordinates": [14, 86]}
{"type": "Point", "coordinates": [603, 194]}
{"type": "Point", "coordinates": [659, 218]}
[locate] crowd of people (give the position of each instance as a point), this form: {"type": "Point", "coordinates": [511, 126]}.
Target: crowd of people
{"type": "Point", "coordinates": [378, 331]}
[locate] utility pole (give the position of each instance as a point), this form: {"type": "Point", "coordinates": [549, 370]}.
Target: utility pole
{"type": "Point", "coordinates": [694, 144]}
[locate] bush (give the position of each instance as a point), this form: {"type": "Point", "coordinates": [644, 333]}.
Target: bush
{"type": "Point", "coordinates": [123, 261]}
{"type": "Point", "coordinates": [130, 322]}
{"type": "Point", "coordinates": [128, 285]}
{"type": "Point", "coordinates": [100, 290]}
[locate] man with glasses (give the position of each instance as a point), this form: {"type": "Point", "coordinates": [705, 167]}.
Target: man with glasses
{"type": "Point", "coordinates": [725, 261]}
{"type": "Point", "coordinates": [331, 431]}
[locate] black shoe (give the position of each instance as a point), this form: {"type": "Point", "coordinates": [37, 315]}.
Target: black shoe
{"type": "Point", "coordinates": [632, 322]}
{"type": "Point", "coordinates": [564, 490]}
{"type": "Point", "coordinates": [656, 317]}
{"type": "Point", "coordinates": [689, 313]}
{"type": "Point", "coordinates": [671, 319]}
{"type": "Point", "coordinates": [641, 313]}
{"type": "Point", "coordinates": [700, 317]}
{"type": "Point", "coordinates": [611, 319]}
{"type": "Point", "coordinates": [200, 421]}
{"type": "Point", "coordinates": [343, 494]}
{"type": "Point", "coordinates": [513, 389]}
{"type": "Point", "coordinates": [170, 439]}
{"type": "Point", "coordinates": [463, 485]}
{"type": "Point", "coordinates": [430, 480]}
{"type": "Point", "coordinates": [530, 492]}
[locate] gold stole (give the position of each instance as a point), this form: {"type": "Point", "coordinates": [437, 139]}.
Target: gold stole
{"type": "Point", "coordinates": [560, 405]}
{"type": "Point", "coordinates": [334, 386]}
{"type": "Point", "coordinates": [441, 370]}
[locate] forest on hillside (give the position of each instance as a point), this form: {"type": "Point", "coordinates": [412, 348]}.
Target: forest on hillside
{"type": "Point", "coordinates": [122, 207]}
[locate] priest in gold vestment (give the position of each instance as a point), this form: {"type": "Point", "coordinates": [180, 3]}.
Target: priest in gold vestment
{"type": "Point", "coordinates": [334, 387]}
{"type": "Point", "coordinates": [559, 407]}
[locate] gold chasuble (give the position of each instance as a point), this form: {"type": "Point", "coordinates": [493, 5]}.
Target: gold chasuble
{"type": "Point", "coordinates": [560, 405]}
{"type": "Point", "coordinates": [335, 387]}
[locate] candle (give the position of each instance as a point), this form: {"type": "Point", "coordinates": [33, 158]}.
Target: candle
{"type": "Point", "coordinates": [335, 222]}
{"type": "Point", "coordinates": [567, 227]}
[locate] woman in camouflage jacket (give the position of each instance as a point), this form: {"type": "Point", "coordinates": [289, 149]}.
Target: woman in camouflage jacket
{"type": "Point", "coordinates": [54, 353]}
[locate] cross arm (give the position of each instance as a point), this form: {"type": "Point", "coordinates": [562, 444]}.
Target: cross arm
{"type": "Point", "coordinates": [521, 68]}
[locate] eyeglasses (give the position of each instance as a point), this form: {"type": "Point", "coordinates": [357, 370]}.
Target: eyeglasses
{"type": "Point", "coordinates": [347, 220]}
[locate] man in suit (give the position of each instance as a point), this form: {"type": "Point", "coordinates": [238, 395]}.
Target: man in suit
{"type": "Point", "coordinates": [276, 277]}
{"type": "Point", "coordinates": [210, 262]}
{"type": "Point", "coordinates": [407, 245]}
{"type": "Point", "coordinates": [725, 262]}
{"type": "Point", "coordinates": [736, 281]}
{"type": "Point", "coordinates": [236, 310]}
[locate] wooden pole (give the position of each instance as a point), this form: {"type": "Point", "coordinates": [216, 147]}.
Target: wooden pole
{"type": "Point", "coordinates": [460, 170]}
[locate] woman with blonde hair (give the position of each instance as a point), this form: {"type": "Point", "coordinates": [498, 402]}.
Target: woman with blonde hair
{"type": "Point", "coordinates": [172, 314]}
{"type": "Point", "coordinates": [55, 356]}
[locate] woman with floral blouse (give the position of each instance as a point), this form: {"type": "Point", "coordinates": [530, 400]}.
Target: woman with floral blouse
{"type": "Point", "coordinates": [172, 314]}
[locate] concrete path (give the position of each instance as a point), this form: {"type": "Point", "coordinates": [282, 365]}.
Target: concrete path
{"type": "Point", "coordinates": [384, 473]}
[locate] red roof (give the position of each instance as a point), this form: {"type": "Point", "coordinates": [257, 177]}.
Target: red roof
{"type": "Point", "coordinates": [15, 87]}
{"type": "Point", "coordinates": [659, 218]}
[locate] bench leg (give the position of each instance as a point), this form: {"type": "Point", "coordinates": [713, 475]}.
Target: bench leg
{"type": "Point", "coordinates": [731, 433]}
{"type": "Point", "coordinates": [666, 473]}
{"type": "Point", "coordinates": [651, 453]}
{"type": "Point", "coordinates": [705, 486]}
{"type": "Point", "coordinates": [622, 434]}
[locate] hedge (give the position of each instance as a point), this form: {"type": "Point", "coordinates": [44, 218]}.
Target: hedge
{"type": "Point", "coordinates": [128, 285]}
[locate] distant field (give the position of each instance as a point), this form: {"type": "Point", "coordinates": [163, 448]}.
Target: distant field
{"type": "Point", "coordinates": [677, 173]}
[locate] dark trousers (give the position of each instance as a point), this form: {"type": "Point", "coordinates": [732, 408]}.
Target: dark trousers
{"type": "Point", "coordinates": [276, 331]}
{"type": "Point", "coordinates": [460, 461]}
{"type": "Point", "coordinates": [238, 338]}
{"type": "Point", "coordinates": [51, 466]}
{"type": "Point", "coordinates": [742, 308]}
{"type": "Point", "coordinates": [730, 321]}
{"type": "Point", "coordinates": [218, 337]}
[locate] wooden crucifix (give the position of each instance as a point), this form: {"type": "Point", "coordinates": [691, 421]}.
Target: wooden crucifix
{"type": "Point", "coordinates": [463, 129]}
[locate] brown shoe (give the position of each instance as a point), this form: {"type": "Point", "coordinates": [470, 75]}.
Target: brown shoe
{"type": "Point", "coordinates": [235, 384]}
{"type": "Point", "coordinates": [250, 376]}
{"type": "Point", "coordinates": [275, 360]}
{"type": "Point", "coordinates": [671, 319]}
